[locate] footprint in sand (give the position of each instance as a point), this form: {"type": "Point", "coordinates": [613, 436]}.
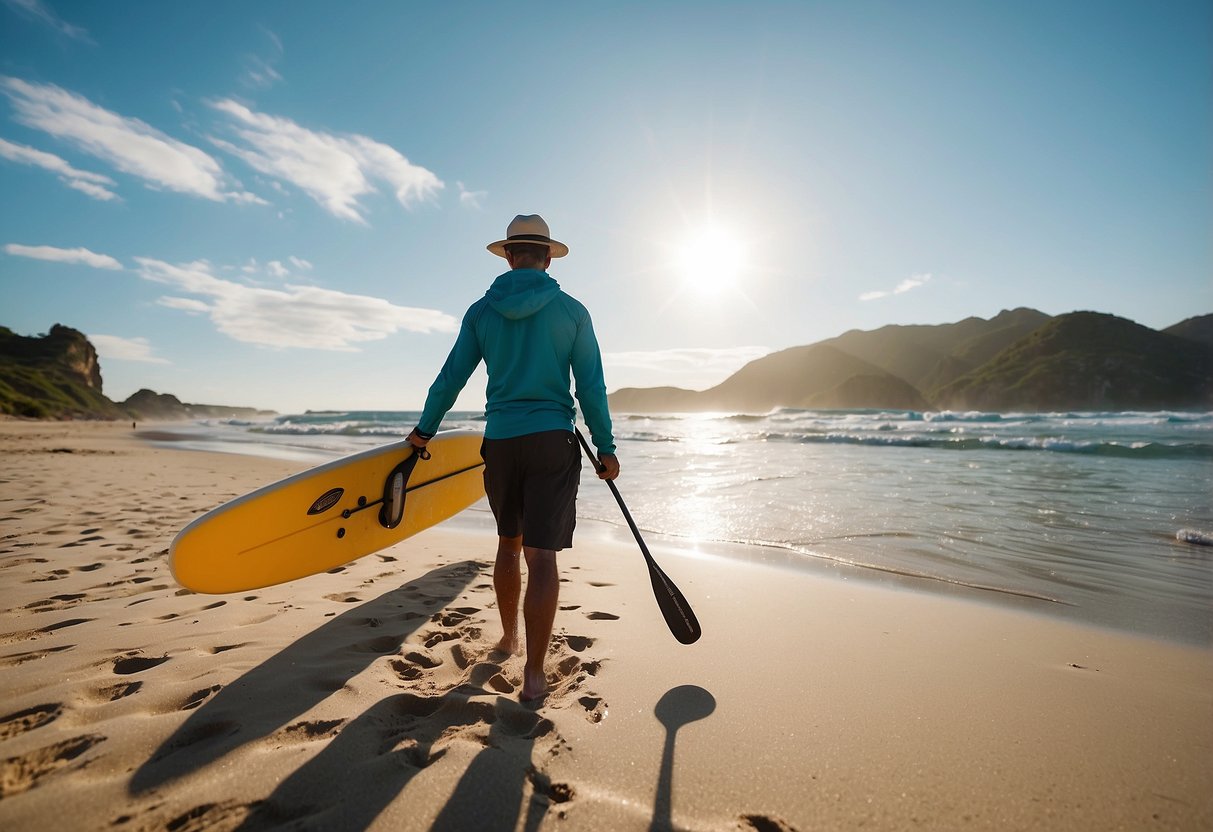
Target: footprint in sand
{"type": "Point", "coordinates": [765, 823]}
{"type": "Point", "coordinates": [461, 656]}
{"type": "Point", "coordinates": [198, 697]}
{"type": "Point", "coordinates": [407, 672]}
{"type": "Point", "coordinates": [227, 815]}
{"type": "Point", "coordinates": [24, 772]}
{"type": "Point", "coordinates": [500, 684]}
{"type": "Point", "coordinates": [55, 575]}
{"type": "Point", "coordinates": [307, 731]}
{"type": "Point", "coordinates": [383, 644]}
{"type": "Point", "coordinates": [22, 562]}
{"type": "Point", "coordinates": [577, 643]}
{"type": "Point", "coordinates": [27, 720]}
{"type": "Point", "coordinates": [55, 602]}
{"type": "Point", "coordinates": [439, 637]}
{"type": "Point", "coordinates": [33, 655]}
{"type": "Point", "coordinates": [137, 664]}
{"type": "Point", "coordinates": [601, 616]}
{"type": "Point", "coordinates": [223, 648]}
{"type": "Point", "coordinates": [113, 693]}
{"type": "Point", "coordinates": [414, 664]}
{"type": "Point", "coordinates": [30, 635]}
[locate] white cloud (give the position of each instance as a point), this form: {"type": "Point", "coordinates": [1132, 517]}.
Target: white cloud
{"type": "Point", "coordinates": [276, 269]}
{"type": "Point", "coordinates": [128, 144]}
{"type": "Point", "coordinates": [94, 184]}
{"type": "Point", "coordinates": [304, 317]}
{"type": "Point", "coordinates": [335, 170]}
{"type": "Point", "coordinates": [912, 282]}
{"type": "Point", "coordinates": [299, 263]}
{"type": "Point", "coordinates": [471, 199]}
{"type": "Point", "coordinates": [259, 71]}
{"type": "Point", "coordinates": [39, 11]}
{"type": "Point", "coordinates": [65, 255]}
{"type": "Point", "coordinates": [689, 367]}
{"type": "Point", "coordinates": [125, 349]}
{"type": "Point", "coordinates": [184, 304]}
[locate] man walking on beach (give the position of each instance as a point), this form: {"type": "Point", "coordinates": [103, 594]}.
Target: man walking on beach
{"type": "Point", "coordinates": [530, 335]}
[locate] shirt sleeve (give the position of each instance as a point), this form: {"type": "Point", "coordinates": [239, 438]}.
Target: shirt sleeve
{"type": "Point", "coordinates": [590, 386]}
{"type": "Point", "coordinates": [463, 359]}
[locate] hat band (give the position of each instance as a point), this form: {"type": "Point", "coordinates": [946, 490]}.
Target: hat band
{"type": "Point", "coordinates": [529, 238]}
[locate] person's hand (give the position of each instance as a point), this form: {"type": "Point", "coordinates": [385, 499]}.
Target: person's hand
{"type": "Point", "coordinates": [610, 467]}
{"type": "Point", "coordinates": [416, 440]}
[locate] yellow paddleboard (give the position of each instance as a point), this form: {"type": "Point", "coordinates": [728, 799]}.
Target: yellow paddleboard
{"type": "Point", "coordinates": [330, 515]}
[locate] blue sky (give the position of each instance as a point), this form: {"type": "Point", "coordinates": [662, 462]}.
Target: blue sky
{"type": "Point", "coordinates": [285, 204]}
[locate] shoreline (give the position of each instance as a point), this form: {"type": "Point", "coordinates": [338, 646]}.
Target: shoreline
{"type": "Point", "coordinates": [365, 698]}
{"type": "Point", "coordinates": [1158, 622]}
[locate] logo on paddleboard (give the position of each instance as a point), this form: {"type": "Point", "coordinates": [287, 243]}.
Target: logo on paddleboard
{"type": "Point", "coordinates": [326, 501]}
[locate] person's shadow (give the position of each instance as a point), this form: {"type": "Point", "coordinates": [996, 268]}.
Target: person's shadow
{"type": "Point", "coordinates": [678, 707]}
{"type": "Point", "coordinates": [489, 794]}
{"type": "Point", "coordinates": [371, 761]}
{"type": "Point", "coordinates": [293, 681]}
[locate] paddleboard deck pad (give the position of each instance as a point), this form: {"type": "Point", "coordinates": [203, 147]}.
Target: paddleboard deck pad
{"type": "Point", "coordinates": [329, 515]}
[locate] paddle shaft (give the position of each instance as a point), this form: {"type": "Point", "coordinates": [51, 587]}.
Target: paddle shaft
{"type": "Point", "coordinates": [674, 607]}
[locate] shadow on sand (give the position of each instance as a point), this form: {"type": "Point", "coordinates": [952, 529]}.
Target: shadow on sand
{"type": "Point", "coordinates": [293, 681]}
{"type": "Point", "coordinates": [371, 761]}
{"type": "Point", "coordinates": [678, 707]}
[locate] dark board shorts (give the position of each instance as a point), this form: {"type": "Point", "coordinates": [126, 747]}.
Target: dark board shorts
{"type": "Point", "coordinates": [531, 482]}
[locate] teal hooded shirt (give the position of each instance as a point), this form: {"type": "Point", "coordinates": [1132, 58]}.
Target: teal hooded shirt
{"type": "Point", "coordinates": [531, 336]}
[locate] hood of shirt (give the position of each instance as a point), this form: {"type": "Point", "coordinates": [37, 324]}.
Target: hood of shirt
{"type": "Point", "coordinates": [521, 293]}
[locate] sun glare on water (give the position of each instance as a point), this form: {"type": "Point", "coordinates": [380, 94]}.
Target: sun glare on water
{"type": "Point", "coordinates": [711, 261]}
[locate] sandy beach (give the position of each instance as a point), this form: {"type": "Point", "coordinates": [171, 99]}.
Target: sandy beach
{"type": "Point", "coordinates": [366, 698]}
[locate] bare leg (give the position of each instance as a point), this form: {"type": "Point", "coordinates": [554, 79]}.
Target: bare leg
{"type": "Point", "coordinates": [507, 582]}
{"type": "Point", "coordinates": [539, 610]}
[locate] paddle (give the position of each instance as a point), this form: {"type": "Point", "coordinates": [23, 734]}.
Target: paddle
{"type": "Point", "coordinates": [678, 614]}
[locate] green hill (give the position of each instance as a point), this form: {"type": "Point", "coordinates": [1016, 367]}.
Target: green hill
{"type": "Point", "coordinates": [1020, 359]}
{"type": "Point", "coordinates": [930, 356]}
{"type": "Point", "coordinates": [56, 376]}
{"type": "Point", "coordinates": [148, 404]}
{"type": "Point", "coordinates": [1089, 361]}
{"type": "Point", "coordinates": [1194, 329]}
{"type": "Point", "coordinates": [817, 375]}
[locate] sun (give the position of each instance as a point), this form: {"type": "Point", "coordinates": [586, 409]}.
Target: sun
{"type": "Point", "coordinates": [711, 260]}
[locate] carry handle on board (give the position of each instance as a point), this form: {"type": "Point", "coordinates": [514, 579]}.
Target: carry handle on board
{"type": "Point", "coordinates": [391, 512]}
{"type": "Point", "coordinates": [677, 612]}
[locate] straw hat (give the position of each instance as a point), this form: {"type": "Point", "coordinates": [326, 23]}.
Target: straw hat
{"type": "Point", "coordinates": [528, 228]}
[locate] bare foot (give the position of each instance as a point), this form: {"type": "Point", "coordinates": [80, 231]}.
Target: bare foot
{"type": "Point", "coordinates": [533, 688]}
{"type": "Point", "coordinates": [508, 645]}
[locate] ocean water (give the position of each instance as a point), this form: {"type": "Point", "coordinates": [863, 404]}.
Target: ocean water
{"type": "Point", "coordinates": [1103, 517]}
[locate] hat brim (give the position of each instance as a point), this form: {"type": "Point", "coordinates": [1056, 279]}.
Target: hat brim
{"type": "Point", "coordinates": [555, 249]}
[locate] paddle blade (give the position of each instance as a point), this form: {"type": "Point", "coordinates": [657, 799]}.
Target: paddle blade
{"type": "Point", "coordinates": [679, 616]}
{"type": "Point", "coordinates": [674, 608]}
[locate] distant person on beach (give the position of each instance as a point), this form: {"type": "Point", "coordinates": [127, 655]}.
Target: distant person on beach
{"type": "Point", "coordinates": [530, 335]}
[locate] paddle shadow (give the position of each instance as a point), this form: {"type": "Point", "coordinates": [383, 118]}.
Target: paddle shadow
{"type": "Point", "coordinates": [677, 707]}
{"type": "Point", "coordinates": [357, 775]}
{"type": "Point", "coordinates": [293, 681]}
